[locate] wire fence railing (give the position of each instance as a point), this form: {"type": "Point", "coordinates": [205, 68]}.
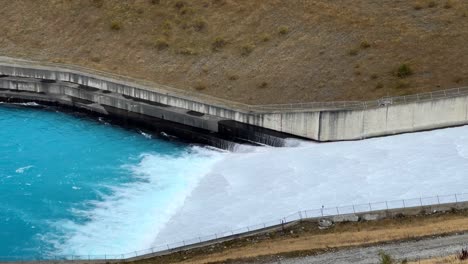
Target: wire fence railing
{"type": "Point", "coordinates": [203, 98]}
{"type": "Point", "coordinates": [234, 233]}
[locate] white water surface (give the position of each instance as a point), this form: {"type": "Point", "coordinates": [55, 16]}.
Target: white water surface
{"type": "Point", "coordinates": [228, 190]}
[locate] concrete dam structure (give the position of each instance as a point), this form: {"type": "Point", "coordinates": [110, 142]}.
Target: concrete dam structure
{"type": "Point", "coordinates": [195, 116]}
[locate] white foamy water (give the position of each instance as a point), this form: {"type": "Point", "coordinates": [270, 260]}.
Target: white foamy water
{"type": "Point", "coordinates": [128, 219]}
{"type": "Point", "coordinates": [207, 191]}
{"type": "Point", "coordinates": [269, 183]}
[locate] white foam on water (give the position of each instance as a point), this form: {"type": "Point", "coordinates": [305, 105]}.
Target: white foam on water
{"type": "Point", "coordinates": [267, 184]}
{"type": "Point", "coordinates": [23, 169]}
{"type": "Point", "coordinates": [206, 191]}
{"type": "Point", "coordinates": [129, 218]}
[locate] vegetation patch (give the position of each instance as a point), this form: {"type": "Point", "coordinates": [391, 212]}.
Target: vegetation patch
{"type": "Point", "coordinates": [218, 43]}
{"type": "Point", "coordinates": [283, 30]}
{"type": "Point", "coordinates": [200, 86]}
{"type": "Point", "coordinates": [116, 25]}
{"type": "Point", "coordinates": [180, 4]}
{"type": "Point", "coordinates": [265, 37]}
{"type": "Point", "coordinates": [247, 49]}
{"type": "Point", "coordinates": [403, 71]}
{"type": "Point", "coordinates": [187, 51]}
{"type": "Point", "coordinates": [262, 85]}
{"type": "Point", "coordinates": [199, 24]}
{"type": "Point", "coordinates": [385, 258]}
{"type": "Point", "coordinates": [365, 44]}
{"type": "Point", "coordinates": [233, 77]}
{"type": "Point", "coordinates": [161, 43]}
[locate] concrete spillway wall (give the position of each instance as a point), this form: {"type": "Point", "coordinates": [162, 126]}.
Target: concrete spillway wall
{"type": "Point", "coordinates": [393, 119]}
{"type": "Point", "coordinates": [207, 113]}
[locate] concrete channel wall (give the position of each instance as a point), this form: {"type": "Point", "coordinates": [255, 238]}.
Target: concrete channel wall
{"type": "Point", "coordinates": [393, 119]}
{"type": "Point", "coordinates": [303, 124]}
{"type": "Point", "coordinates": [340, 123]}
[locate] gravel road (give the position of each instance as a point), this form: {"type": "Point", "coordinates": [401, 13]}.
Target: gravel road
{"type": "Point", "coordinates": [414, 250]}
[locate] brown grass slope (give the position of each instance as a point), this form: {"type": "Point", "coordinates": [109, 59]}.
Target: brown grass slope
{"type": "Point", "coordinates": [252, 51]}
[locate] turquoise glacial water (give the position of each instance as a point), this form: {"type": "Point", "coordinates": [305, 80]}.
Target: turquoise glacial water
{"type": "Point", "coordinates": [70, 184]}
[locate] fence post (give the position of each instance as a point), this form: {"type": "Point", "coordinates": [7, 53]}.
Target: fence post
{"type": "Point", "coordinates": [438, 201]}
{"type": "Point", "coordinates": [338, 211]}
{"type": "Point", "coordinates": [300, 215]}
{"type": "Point", "coordinates": [168, 247]}
{"type": "Point", "coordinates": [404, 205]}
{"type": "Point", "coordinates": [386, 204]}
{"type": "Point", "coordinates": [456, 198]}
{"type": "Point", "coordinates": [354, 211]}
{"type": "Point", "coordinates": [370, 207]}
{"type": "Point", "coordinates": [305, 212]}
{"type": "Point", "coordinates": [420, 201]}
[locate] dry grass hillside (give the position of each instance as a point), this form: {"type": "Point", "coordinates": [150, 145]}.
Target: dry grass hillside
{"type": "Point", "coordinates": [252, 51]}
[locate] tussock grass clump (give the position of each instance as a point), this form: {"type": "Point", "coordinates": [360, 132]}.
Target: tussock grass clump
{"type": "Point", "coordinates": [199, 24]}
{"type": "Point", "coordinates": [247, 49]}
{"type": "Point", "coordinates": [365, 44]}
{"type": "Point", "coordinates": [218, 43]}
{"type": "Point", "coordinates": [233, 77]}
{"type": "Point", "coordinates": [265, 37]}
{"type": "Point", "coordinates": [262, 85]}
{"type": "Point", "coordinates": [161, 44]}
{"type": "Point", "coordinates": [463, 255]}
{"type": "Point", "coordinates": [283, 30]}
{"type": "Point", "coordinates": [403, 71]}
{"type": "Point", "coordinates": [385, 258]}
{"type": "Point", "coordinates": [187, 11]}
{"type": "Point", "coordinates": [200, 86]}
{"type": "Point", "coordinates": [116, 25]}
{"type": "Point", "coordinates": [417, 6]}
{"type": "Point", "coordinates": [180, 4]}
{"type": "Point", "coordinates": [166, 25]}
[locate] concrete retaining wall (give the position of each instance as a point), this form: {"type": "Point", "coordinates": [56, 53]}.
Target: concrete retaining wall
{"type": "Point", "coordinates": [315, 124]}
{"type": "Point", "coordinates": [302, 124]}
{"type": "Point", "coordinates": [393, 119]}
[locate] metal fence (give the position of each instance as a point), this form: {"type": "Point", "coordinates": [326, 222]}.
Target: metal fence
{"type": "Point", "coordinates": [203, 98]}
{"type": "Point", "coordinates": [421, 97]}
{"type": "Point", "coordinates": [297, 216]}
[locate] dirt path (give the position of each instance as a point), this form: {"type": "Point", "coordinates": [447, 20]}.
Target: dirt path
{"type": "Point", "coordinates": [306, 239]}
{"type": "Point", "coordinates": [423, 249]}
